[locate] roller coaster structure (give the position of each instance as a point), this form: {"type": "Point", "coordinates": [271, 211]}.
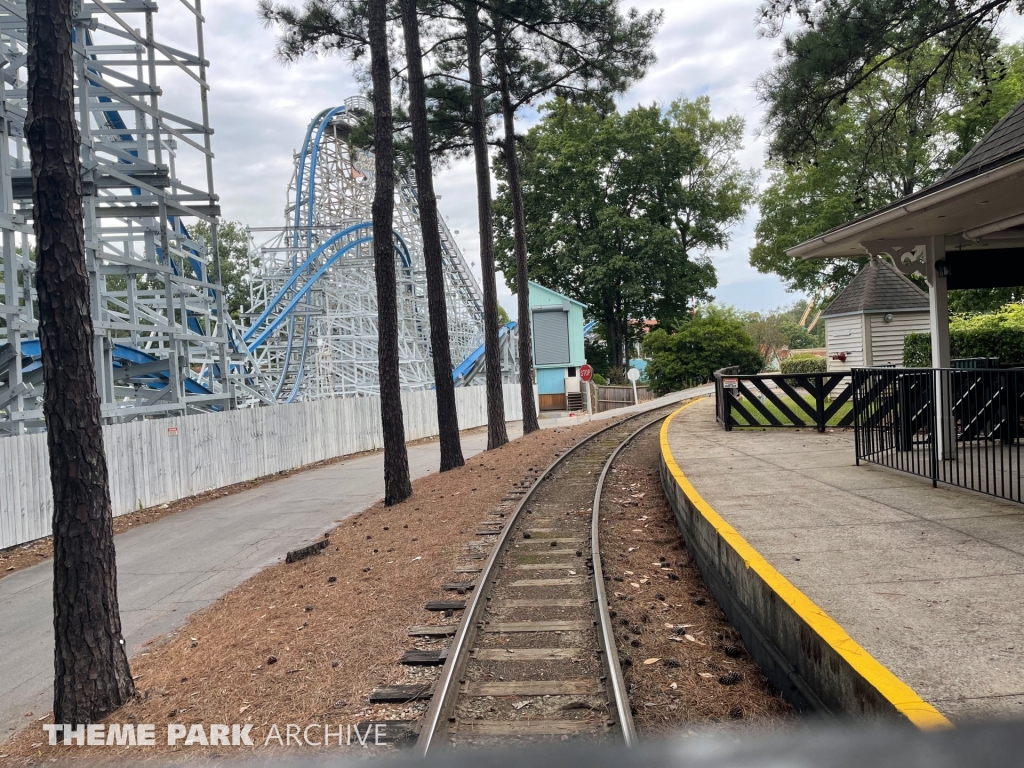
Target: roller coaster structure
{"type": "Point", "coordinates": [163, 343]}
{"type": "Point", "coordinates": [314, 304]}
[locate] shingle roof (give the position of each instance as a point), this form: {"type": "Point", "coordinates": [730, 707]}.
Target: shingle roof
{"type": "Point", "coordinates": [878, 287]}
{"type": "Point", "coordinates": [1003, 143]}
{"type": "Point", "coordinates": [1000, 146]}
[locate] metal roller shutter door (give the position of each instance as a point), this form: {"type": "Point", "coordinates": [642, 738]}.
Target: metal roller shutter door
{"type": "Point", "coordinates": [550, 338]}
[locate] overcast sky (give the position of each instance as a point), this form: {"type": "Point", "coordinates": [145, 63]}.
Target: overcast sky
{"type": "Point", "coordinates": [260, 109]}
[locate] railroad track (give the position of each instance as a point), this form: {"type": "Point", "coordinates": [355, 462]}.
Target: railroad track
{"type": "Point", "coordinates": [534, 657]}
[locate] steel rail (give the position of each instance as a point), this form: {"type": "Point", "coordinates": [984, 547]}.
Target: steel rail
{"type": "Point", "coordinates": [443, 689]}
{"type": "Point", "coordinates": [618, 683]}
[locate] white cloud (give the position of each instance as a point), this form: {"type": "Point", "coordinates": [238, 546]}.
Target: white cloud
{"type": "Point", "coordinates": [260, 109]}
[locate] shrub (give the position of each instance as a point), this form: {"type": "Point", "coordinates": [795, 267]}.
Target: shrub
{"type": "Point", "coordinates": [600, 380]}
{"type": "Point", "coordinates": [698, 347]}
{"type": "Point", "coordinates": [803, 364]}
{"type": "Point", "coordinates": [993, 334]}
{"type": "Point", "coordinates": [917, 350]}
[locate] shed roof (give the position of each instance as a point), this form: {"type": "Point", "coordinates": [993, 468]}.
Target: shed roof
{"type": "Point", "coordinates": [878, 287]}
{"type": "Point", "coordinates": [538, 291]}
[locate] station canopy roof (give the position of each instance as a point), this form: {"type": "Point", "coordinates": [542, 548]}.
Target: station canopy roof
{"type": "Point", "coordinates": [978, 206]}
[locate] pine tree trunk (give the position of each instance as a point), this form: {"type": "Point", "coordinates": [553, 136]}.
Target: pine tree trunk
{"type": "Point", "coordinates": [397, 485]}
{"type": "Point", "coordinates": [91, 674]}
{"type": "Point", "coordinates": [444, 386]}
{"type": "Point", "coordinates": [530, 423]}
{"type": "Point", "coordinates": [497, 435]}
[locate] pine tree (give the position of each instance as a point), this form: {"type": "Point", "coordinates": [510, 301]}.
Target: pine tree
{"type": "Point", "coordinates": [580, 49]}
{"type": "Point", "coordinates": [444, 386]}
{"type": "Point", "coordinates": [330, 27]}
{"type": "Point", "coordinates": [497, 435]}
{"type": "Point", "coordinates": [397, 485]}
{"type": "Point", "coordinates": [91, 673]}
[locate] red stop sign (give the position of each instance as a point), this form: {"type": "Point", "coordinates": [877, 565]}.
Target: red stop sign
{"type": "Point", "coordinates": [586, 372]}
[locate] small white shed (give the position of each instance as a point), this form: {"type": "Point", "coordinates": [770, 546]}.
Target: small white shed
{"type": "Point", "coordinates": [865, 324]}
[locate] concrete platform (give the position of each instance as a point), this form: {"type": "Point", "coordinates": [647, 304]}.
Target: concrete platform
{"type": "Point", "coordinates": [883, 587]}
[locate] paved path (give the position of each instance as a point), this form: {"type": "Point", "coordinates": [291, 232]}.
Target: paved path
{"type": "Point", "coordinates": [929, 581]}
{"type": "Point", "coordinates": [172, 567]}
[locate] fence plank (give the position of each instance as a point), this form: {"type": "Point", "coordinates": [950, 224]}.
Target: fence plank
{"type": "Point", "coordinates": [149, 466]}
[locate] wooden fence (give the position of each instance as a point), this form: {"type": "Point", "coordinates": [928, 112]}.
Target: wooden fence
{"type": "Point", "coordinates": [162, 460]}
{"type": "Point", "coordinates": [610, 396]}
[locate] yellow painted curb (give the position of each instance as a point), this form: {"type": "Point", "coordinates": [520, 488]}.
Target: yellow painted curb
{"type": "Point", "coordinates": [899, 694]}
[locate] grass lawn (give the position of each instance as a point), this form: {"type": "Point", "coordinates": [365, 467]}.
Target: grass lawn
{"type": "Point", "coordinates": [745, 413]}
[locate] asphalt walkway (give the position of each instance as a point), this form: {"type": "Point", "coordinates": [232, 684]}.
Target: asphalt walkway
{"type": "Point", "coordinates": [928, 581]}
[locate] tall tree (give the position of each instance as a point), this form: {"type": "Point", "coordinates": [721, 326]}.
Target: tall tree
{"type": "Point", "coordinates": [835, 47]}
{"type": "Point", "coordinates": [444, 386]}
{"type": "Point", "coordinates": [497, 435]}
{"type": "Point", "coordinates": [91, 674]}
{"type": "Point", "coordinates": [623, 209]}
{"type": "Point", "coordinates": [508, 151]}
{"type": "Point", "coordinates": [583, 49]}
{"type": "Point", "coordinates": [863, 169]}
{"type": "Point", "coordinates": [397, 485]}
{"type": "Point", "coordinates": [324, 27]}
{"type": "Point", "coordinates": [233, 244]}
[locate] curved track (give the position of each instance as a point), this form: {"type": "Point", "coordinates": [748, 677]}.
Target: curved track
{"type": "Point", "coordinates": [535, 657]}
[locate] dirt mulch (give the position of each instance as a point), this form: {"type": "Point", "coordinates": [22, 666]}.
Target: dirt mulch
{"type": "Point", "coordinates": [307, 642]}
{"type": "Point", "coordinates": [685, 666]}
{"type": "Point", "coordinates": [26, 555]}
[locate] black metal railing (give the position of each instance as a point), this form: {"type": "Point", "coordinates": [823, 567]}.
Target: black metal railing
{"type": "Point", "coordinates": [960, 426]}
{"type": "Point", "coordinates": [817, 400]}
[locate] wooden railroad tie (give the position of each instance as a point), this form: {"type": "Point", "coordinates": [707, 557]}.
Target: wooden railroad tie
{"type": "Point", "coordinates": [528, 654]}
{"type": "Point", "coordinates": [400, 694]}
{"type": "Point", "coordinates": [418, 658]}
{"type": "Point", "coordinates": [543, 602]}
{"type": "Point", "coordinates": [531, 727]}
{"type": "Point", "coordinates": [458, 586]}
{"type": "Point", "coordinates": [533, 688]}
{"type": "Point", "coordinates": [446, 630]}
{"type": "Point", "coordinates": [571, 625]}
{"type": "Point", "coordinates": [446, 605]}
{"type": "Point", "coordinates": [303, 552]}
{"type": "Point", "coordinates": [546, 567]}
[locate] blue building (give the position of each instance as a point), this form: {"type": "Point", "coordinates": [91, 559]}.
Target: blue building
{"type": "Point", "coordinates": [557, 325]}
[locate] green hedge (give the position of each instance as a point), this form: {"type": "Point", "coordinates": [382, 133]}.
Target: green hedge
{"type": "Point", "coordinates": [917, 350]}
{"type": "Point", "coordinates": [803, 364]}
{"type": "Point", "coordinates": [994, 334]}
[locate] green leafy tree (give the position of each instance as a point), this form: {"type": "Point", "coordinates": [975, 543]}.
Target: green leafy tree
{"type": "Point", "coordinates": [783, 327]}
{"type": "Point", "coordinates": [233, 244]}
{"type": "Point", "coordinates": [856, 168]}
{"type": "Point", "coordinates": [831, 49]}
{"type": "Point", "coordinates": [694, 349]}
{"type": "Point", "coordinates": [622, 210]}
